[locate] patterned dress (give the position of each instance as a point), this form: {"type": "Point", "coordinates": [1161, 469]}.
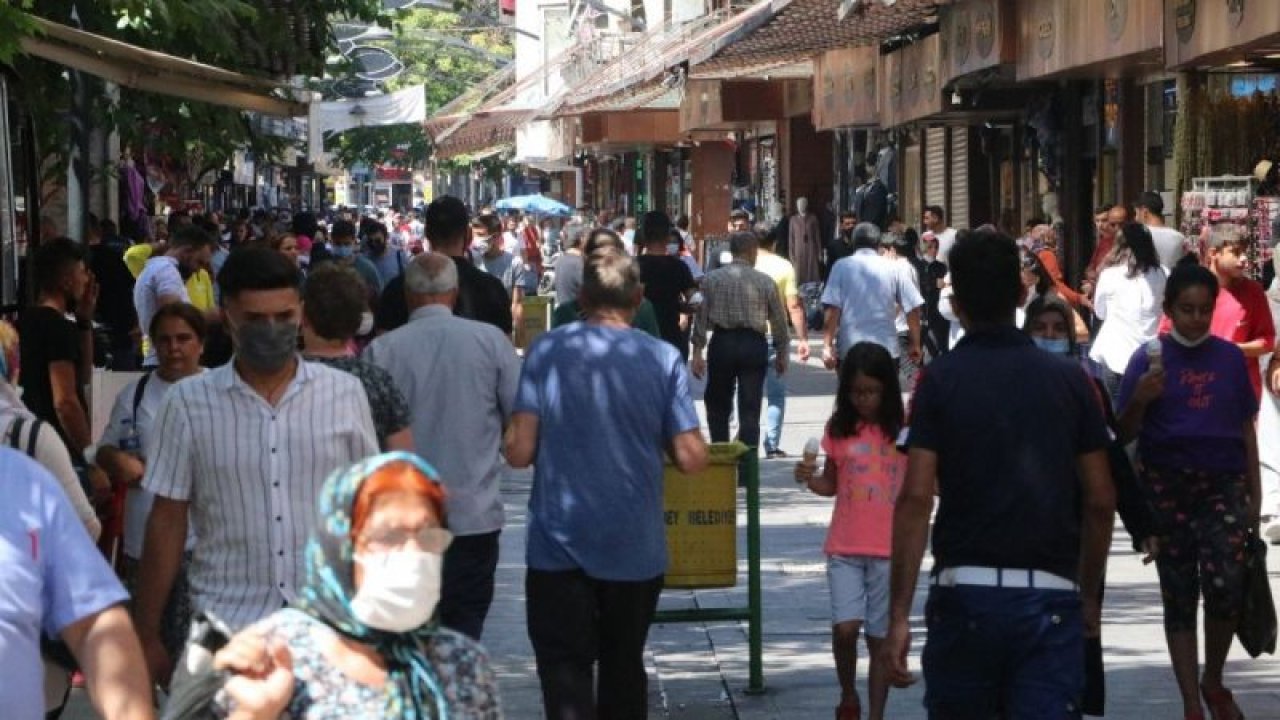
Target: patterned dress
{"type": "Point", "coordinates": [323, 692]}
{"type": "Point", "coordinates": [387, 404]}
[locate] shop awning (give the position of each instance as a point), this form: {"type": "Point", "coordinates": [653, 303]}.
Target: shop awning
{"type": "Point", "coordinates": [476, 132]}
{"type": "Point", "coordinates": [785, 32]}
{"type": "Point", "coordinates": [141, 69]}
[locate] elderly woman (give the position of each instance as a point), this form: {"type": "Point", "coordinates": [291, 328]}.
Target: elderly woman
{"type": "Point", "coordinates": [364, 640]}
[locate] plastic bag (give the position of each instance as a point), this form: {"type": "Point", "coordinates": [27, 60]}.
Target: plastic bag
{"type": "Point", "coordinates": [1257, 629]}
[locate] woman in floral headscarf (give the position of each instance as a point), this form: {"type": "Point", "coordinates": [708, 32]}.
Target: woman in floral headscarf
{"type": "Point", "coordinates": [364, 640]}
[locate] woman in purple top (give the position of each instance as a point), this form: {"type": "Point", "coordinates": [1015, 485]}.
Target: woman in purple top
{"type": "Point", "coordinates": [1188, 400]}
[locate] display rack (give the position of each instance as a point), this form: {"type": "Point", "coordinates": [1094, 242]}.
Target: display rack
{"type": "Point", "coordinates": [1228, 200]}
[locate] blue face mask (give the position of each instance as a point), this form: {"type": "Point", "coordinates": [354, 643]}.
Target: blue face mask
{"type": "Point", "coordinates": [343, 251]}
{"type": "Point", "coordinates": [1061, 346]}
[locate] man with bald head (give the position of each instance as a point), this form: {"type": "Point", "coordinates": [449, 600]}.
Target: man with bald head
{"type": "Point", "coordinates": [460, 378]}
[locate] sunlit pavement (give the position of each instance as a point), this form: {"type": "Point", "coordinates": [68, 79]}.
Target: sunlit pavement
{"type": "Point", "coordinates": [699, 670]}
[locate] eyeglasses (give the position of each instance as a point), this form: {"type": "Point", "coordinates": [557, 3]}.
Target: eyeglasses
{"type": "Point", "coordinates": [428, 539]}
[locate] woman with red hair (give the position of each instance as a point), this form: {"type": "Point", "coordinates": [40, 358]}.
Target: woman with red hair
{"type": "Point", "coordinates": [364, 640]}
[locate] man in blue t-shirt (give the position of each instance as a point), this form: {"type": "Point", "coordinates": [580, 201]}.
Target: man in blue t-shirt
{"type": "Point", "coordinates": [1014, 441]}
{"type": "Point", "coordinates": [598, 404]}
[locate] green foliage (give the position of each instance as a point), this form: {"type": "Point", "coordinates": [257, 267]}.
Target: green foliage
{"type": "Point", "coordinates": [259, 37]}
{"type": "Point", "coordinates": [447, 53]}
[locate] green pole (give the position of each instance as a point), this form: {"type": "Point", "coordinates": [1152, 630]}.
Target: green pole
{"type": "Point", "coordinates": [755, 635]}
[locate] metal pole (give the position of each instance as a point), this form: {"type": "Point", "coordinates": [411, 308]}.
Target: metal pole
{"type": "Point", "coordinates": [755, 630]}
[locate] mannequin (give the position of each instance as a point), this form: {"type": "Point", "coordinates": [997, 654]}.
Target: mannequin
{"type": "Point", "coordinates": [804, 243]}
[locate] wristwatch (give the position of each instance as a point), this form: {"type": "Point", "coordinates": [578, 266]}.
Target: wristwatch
{"type": "Point", "coordinates": [90, 455]}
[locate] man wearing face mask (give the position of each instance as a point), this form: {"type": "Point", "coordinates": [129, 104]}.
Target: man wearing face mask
{"type": "Point", "coordinates": [241, 452]}
{"type": "Point", "coordinates": [668, 282]}
{"type": "Point", "coordinates": [488, 254]}
{"type": "Point", "coordinates": [388, 261]}
{"type": "Point", "coordinates": [342, 249]}
{"type": "Point", "coordinates": [163, 279]}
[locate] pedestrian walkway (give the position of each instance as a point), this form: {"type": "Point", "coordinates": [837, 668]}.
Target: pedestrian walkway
{"type": "Point", "coordinates": [698, 671]}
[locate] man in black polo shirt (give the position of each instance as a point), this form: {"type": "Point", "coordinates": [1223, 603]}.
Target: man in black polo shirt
{"type": "Point", "coordinates": [1015, 441]}
{"type": "Point", "coordinates": [481, 296]}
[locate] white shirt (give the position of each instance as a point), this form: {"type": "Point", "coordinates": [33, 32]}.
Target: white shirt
{"type": "Point", "coordinates": [137, 504]}
{"type": "Point", "coordinates": [1130, 312]}
{"type": "Point", "coordinates": [159, 278]}
{"type": "Point", "coordinates": [868, 290]}
{"type": "Point", "coordinates": [1171, 246]}
{"type": "Point", "coordinates": [909, 273]}
{"type": "Point", "coordinates": [253, 473]}
{"type": "Point", "coordinates": [946, 240]}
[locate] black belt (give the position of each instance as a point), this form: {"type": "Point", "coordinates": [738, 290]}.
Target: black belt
{"type": "Point", "coordinates": [721, 329]}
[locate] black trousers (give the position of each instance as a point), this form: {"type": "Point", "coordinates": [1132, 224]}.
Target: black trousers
{"type": "Point", "coordinates": [467, 590]}
{"type": "Point", "coordinates": [588, 638]}
{"type": "Point", "coordinates": [736, 358]}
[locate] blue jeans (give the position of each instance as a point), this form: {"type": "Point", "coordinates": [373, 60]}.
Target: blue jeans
{"type": "Point", "coordinates": [775, 398]}
{"type": "Point", "coordinates": [1002, 652]}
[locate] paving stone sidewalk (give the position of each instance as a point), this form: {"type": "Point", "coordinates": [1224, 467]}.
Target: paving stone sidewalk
{"type": "Point", "coordinates": [699, 671]}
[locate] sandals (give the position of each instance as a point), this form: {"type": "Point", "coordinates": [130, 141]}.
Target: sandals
{"type": "Point", "coordinates": [1222, 704]}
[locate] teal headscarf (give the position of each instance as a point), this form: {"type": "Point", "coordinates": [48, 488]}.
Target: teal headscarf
{"type": "Point", "coordinates": [415, 691]}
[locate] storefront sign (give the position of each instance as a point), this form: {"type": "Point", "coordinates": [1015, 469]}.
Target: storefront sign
{"type": "Point", "coordinates": [915, 85]}
{"type": "Point", "coordinates": [977, 35]}
{"type": "Point", "coordinates": [845, 83]}
{"type": "Point", "coordinates": [1107, 37]}
{"type": "Point", "coordinates": [1217, 32]}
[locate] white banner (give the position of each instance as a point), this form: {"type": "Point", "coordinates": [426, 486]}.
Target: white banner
{"type": "Point", "coordinates": [403, 106]}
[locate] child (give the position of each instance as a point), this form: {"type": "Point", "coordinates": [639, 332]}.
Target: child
{"type": "Point", "coordinates": [864, 471]}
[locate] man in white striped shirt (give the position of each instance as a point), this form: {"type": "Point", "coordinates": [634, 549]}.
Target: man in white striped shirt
{"type": "Point", "coordinates": [241, 451]}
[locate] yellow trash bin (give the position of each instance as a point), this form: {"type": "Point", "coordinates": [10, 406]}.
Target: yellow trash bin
{"type": "Point", "coordinates": [537, 319]}
{"type": "Point", "coordinates": [701, 514]}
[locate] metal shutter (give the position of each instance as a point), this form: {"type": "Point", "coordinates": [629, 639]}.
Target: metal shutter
{"type": "Point", "coordinates": [935, 167]}
{"type": "Point", "coordinates": [959, 215]}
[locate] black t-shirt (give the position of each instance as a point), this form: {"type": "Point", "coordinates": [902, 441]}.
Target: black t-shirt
{"type": "Point", "coordinates": [481, 297]}
{"type": "Point", "coordinates": [1008, 422]}
{"type": "Point", "coordinates": [47, 336]}
{"type": "Point", "coordinates": [115, 298]}
{"type": "Point", "coordinates": [666, 278]}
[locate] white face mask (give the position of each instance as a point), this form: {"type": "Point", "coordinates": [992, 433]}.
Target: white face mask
{"type": "Point", "coordinates": [399, 590]}
{"type": "Point", "coordinates": [480, 246]}
{"type": "Point", "coordinates": [1184, 342]}
{"type": "Point", "coordinates": [366, 324]}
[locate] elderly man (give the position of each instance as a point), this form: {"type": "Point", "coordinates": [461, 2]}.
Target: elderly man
{"type": "Point", "coordinates": [460, 379]}
{"type": "Point", "coordinates": [863, 297]}
{"type": "Point", "coordinates": [740, 305]}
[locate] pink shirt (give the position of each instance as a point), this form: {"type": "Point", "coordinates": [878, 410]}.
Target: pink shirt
{"type": "Point", "coordinates": [869, 472]}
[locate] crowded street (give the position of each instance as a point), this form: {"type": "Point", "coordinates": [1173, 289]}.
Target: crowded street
{"type": "Point", "coordinates": [639, 359]}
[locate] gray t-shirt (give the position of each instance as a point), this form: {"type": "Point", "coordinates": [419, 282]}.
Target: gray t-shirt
{"type": "Point", "coordinates": [568, 277]}
{"type": "Point", "coordinates": [506, 267]}
{"type": "Point", "coordinates": [1170, 244]}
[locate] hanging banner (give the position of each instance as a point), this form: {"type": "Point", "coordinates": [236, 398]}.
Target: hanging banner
{"type": "Point", "coordinates": [397, 108]}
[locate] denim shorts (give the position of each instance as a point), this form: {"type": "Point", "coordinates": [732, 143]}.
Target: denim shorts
{"type": "Point", "coordinates": [860, 591]}
{"type": "Point", "coordinates": [1013, 652]}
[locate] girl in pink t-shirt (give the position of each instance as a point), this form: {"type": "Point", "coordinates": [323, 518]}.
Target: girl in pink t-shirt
{"type": "Point", "coordinates": [864, 472]}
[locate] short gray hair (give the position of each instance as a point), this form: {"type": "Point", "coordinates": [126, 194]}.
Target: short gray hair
{"type": "Point", "coordinates": [866, 235]}
{"type": "Point", "coordinates": [430, 274]}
